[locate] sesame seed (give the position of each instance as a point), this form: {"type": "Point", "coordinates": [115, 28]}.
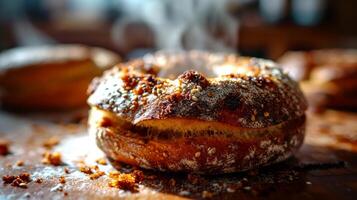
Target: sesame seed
{"type": "Point", "coordinates": [194, 98]}
{"type": "Point", "coordinates": [193, 91]}
{"type": "Point", "coordinates": [211, 151]}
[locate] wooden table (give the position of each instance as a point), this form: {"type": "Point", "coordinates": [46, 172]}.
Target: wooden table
{"type": "Point", "coordinates": [324, 168]}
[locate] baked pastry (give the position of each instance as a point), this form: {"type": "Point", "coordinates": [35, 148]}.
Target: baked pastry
{"type": "Point", "coordinates": [235, 114]}
{"type": "Point", "coordinates": [50, 77]}
{"type": "Point", "coordinates": [328, 77]}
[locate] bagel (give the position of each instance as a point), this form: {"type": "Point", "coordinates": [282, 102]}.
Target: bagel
{"type": "Point", "coordinates": [328, 77]}
{"type": "Point", "coordinates": [197, 112]}
{"type": "Point", "coordinates": [50, 77]}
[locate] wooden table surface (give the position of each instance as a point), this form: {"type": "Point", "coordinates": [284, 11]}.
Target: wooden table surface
{"type": "Point", "coordinates": [324, 168]}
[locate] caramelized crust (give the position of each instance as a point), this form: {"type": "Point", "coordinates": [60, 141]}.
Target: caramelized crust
{"type": "Point", "coordinates": [255, 95]}
{"type": "Point", "coordinates": [194, 145]}
{"type": "Point", "coordinates": [50, 77]}
{"type": "Point", "coordinates": [328, 76]}
{"type": "Point", "coordinates": [21, 57]}
{"type": "Point", "coordinates": [212, 121]}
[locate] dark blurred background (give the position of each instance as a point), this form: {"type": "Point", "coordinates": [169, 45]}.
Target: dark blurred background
{"type": "Point", "coordinates": [264, 28]}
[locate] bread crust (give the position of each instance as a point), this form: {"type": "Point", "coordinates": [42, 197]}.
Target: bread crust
{"type": "Point", "coordinates": [204, 152]}
{"type": "Point", "coordinates": [254, 95]}
{"type": "Point", "coordinates": [50, 77]}
{"type": "Point", "coordinates": [261, 96]}
{"type": "Point", "coordinates": [328, 76]}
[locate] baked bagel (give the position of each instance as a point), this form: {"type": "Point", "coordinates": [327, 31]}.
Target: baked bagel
{"type": "Point", "coordinates": [50, 77]}
{"type": "Point", "coordinates": [237, 113]}
{"type": "Point", "coordinates": [328, 77]}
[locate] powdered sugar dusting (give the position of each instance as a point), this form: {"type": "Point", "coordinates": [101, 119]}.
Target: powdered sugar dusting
{"type": "Point", "coordinates": [253, 92]}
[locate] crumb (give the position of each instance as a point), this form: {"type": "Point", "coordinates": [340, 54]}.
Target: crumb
{"type": "Point", "coordinates": [7, 179]}
{"type": "Point", "coordinates": [308, 183]}
{"type": "Point", "coordinates": [21, 185]}
{"type": "Point", "coordinates": [85, 169]}
{"type": "Point", "coordinates": [114, 174]}
{"type": "Point", "coordinates": [4, 147]}
{"type": "Point", "coordinates": [96, 175]}
{"type": "Point", "coordinates": [25, 177]}
{"type": "Point", "coordinates": [51, 142]}
{"type": "Point", "coordinates": [19, 163]}
{"type": "Point", "coordinates": [95, 167]}
{"type": "Point", "coordinates": [62, 180]}
{"type": "Point", "coordinates": [52, 158]}
{"type": "Point", "coordinates": [123, 181]}
{"type": "Point", "coordinates": [92, 171]}
{"type": "Point", "coordinates": [101, 161]}
{"type": "Point", "coordinates": [17, 181]}
{"type": "Point", "coordinates": [39, 180]}
{"type": "Point", "coordinates": [65, 193]}
{"type": "Point", "coordinates": [206, 194]}
{"type": "Point", "coordinates": [66, 170]}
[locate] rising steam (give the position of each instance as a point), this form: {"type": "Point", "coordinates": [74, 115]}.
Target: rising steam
{"type": "Point", "coordinates": [184, 24]}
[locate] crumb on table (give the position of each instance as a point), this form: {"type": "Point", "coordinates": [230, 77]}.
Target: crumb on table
{"type": "Point", "coordinates": [101, 161]}
{"type": "Point", "coordinates": [17, 181]}
{"type": "Point", "coordinates": [52, 158]}
{"type": "Point", "coordinates": [4, 147]}
{"type": "Point", "coordinates": [124, 181]}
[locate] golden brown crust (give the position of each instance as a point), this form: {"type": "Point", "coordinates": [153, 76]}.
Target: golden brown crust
{"type": "Point", "coordinates": [329, 76]}
{"type": "Point", "coordinates": [208, 151]}
{"type": "Point", "coordinates": [50, 77]}
{"type": "Point", "coordinates": [57, 96]}
{"type": "Point", "coordinates": [260, 96]}
{"type": "Point", "coordinates": [24, 57]}
{"type": "Point", "coordinates": [249, 115]}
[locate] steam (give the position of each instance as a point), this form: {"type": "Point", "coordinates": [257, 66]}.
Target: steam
{"type": "Point", "coordinates": [184, 24]}
{"type": "Point", "coordinates": [174, 24]}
